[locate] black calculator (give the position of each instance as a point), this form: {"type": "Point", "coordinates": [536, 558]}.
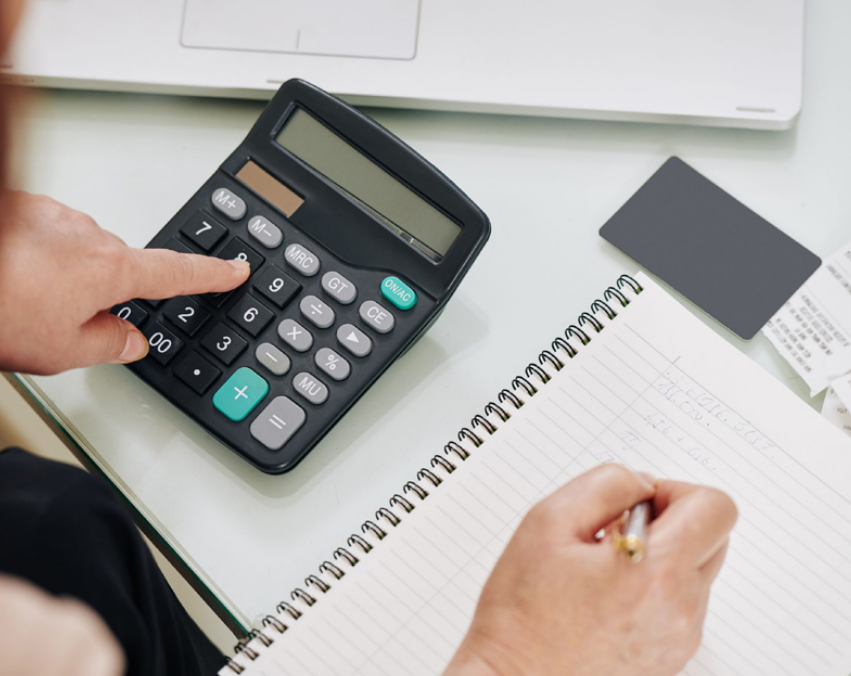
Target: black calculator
{"type": "Point", "coordinates": [355, 242]}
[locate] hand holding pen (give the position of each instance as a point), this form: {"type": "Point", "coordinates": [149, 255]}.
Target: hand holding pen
{"type": "Point", "coordinates": [562, 602]}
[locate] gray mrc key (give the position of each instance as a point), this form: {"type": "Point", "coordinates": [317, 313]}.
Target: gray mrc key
{"type": "Point", "coordinates": [316, 311]}
{"type": "Point", "coordinates": [376, 316]}
{"type": "Point", "coordinates": [295, 335]}
{"type": "Point", "coordinates": [277, 422]}
{"type": "Point", "coordinates": [272, 358]}
{"type": "Point", "coordinates": [338, 287]}
{"type": "Point", "coordinates": [229, 204]}
{"type": "Point", "coordinates": [302, 260]}
{"type": "Point", "coordinates": [310, 388]}
{"type": "Point", "coordinates": [265, 232]}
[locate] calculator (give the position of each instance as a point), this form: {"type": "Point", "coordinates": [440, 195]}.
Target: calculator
{"type": "Point", "coordinates": [355, 243]}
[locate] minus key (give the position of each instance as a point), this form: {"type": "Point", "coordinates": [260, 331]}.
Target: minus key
{"type": "Point", "coordinates": [275, 361]}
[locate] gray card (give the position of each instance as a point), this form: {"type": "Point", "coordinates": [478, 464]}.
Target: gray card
{"type": "Point", "coordinates": [710, 247]}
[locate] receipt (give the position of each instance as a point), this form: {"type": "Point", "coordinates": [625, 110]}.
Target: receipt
{"type": "Point", "coordinates": [812, 330]}
{"type": "Point", "coordinates": [836, 411]}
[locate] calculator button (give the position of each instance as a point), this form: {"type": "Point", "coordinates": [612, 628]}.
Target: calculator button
{"type": "Point", "coordinates": [197, 372]}
{"type": "Point", "coordinates": [272, 358]}
{"type": "Point", "coordinates": [376, 316]}
{"type": "Point", "coordinates": [339, 288]}
{"type": "Point", "coordinates": [295, 335]}
{"type": "Point", "coordinates": [204, 231]}
{"type": "Point", "coordinates": [398, 293]}
{"type": "Point", "coordinates": [310, 388]}
{"type": "Point", "coordinates": [186, 315]}
{"type": "Point", "coordinates": [266, 233]}
{"type": "Point", "coordinates": [224, 344]}
{"type": "Point", "coordinates": [316, 311]}
{"type": "Point", "coordinates": [163, 345]}
{"type": "Point", "coordinates": [130, 312]}
{"type": "Point", "coordinates": [240, 394]}
{"type": "Point", "coordinates": [277, 422]}
{"type": "Point", "coordinates": [236, 249]}
{"type": "Point", "coordinates": [229, 204]}
{"type": "Point", "coordinates": [332, 364]}
{"type": "Point", "coordinates": [217, 299]}
{"type": "Point", "coordinates": [302, 260]}
{"type": "Point", "coordinates": [354, 340]}
{"type": "Point", "coordinates": [250, 315]}
{"type": "Point", "coordinates": [276, 286]}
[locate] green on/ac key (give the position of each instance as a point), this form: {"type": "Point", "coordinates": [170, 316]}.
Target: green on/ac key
{"type": "Point", "coordinates": [398, 293]}
{"type": "Point", "coordinates": [240, 394]}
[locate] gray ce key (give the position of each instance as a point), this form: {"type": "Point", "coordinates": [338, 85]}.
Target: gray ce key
{"type": "Point", "coordinates": [376, 316]}
{"type": "Point", "coordinates": [277, 422]}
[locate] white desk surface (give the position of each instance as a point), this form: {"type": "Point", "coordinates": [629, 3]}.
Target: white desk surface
{"type": "Point", "coordinates": [547, 185]}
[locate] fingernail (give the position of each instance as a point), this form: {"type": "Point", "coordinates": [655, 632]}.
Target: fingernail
{"type": "Point", "coordinates": [241, 266]}
{"type": "Point", "coordinates": [135, 348]}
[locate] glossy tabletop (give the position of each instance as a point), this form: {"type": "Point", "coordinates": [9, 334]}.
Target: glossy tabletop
{"type": "Point", "coordinates": [131, 161]}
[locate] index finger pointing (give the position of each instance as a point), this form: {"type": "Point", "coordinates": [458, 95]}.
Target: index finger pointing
{"type": "Point", "coordinates": [692, 521]}
{"type": "Point", "coordinates": [162, 273]}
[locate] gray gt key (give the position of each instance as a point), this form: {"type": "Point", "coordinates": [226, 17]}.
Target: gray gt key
{"type": "Point", "coordinates": [277, 422]}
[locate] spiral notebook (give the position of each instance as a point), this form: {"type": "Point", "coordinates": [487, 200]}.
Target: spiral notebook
{"type": "Point", "coordinates": [636, 380]}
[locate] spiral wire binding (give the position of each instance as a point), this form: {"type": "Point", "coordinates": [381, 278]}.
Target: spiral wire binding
{"type": "Point", "coordinates": [361, 542]}
{"type": "Point", "coordinates": [317, 582]}
{"type": "Point", "coordinates": [457, 449]}
{"type": "Point", "coordinates": [601, 312]}
{"type": "Point", "coordinates": [431, 476]}
{"type": "Point", "coordinates": [493, 409]}
{"type": "Point", "coordinates": [551, 359]}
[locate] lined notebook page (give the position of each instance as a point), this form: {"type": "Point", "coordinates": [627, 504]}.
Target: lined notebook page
{"type": "Point", "coordinates": [655, 391]}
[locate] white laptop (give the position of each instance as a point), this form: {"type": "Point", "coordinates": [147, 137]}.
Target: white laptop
{"type": "Point", "coordinates": [714, 62]}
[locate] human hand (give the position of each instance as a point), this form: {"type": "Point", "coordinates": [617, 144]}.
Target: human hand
{"type": "Point", "coordinates": [60, 273]}
{"type": "Point", "coordinates": [50, 636]}
{"type": "Point", "coordinates": [559, 602]}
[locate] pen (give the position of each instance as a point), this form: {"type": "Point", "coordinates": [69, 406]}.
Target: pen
{"type": "Point", "coordinates": [631, 541]}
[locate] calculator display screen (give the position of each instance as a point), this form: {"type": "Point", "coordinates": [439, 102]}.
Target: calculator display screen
{"type": "Point", "coordinates": [394, 204]}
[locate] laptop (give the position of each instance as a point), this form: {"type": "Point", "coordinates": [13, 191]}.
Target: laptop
{"type": "Point", "coordinates": [735, 63]}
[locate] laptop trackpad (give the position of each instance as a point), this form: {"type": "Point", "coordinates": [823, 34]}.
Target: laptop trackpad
{"type": "Point", "coordinates": [384, 29]}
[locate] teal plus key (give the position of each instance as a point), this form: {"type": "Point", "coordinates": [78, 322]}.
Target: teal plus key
{"type": "Point", "coordinates": [240, 394]}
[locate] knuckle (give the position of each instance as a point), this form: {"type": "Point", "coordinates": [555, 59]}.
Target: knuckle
{"type": "Point", "coordinates": [718, 502]}
{"type": "Point", "coordinates": [185, 271]}
{"type": "Point", "coordinates": [543, 515]}
{"type": "Point", "coordinates": [615, 473]}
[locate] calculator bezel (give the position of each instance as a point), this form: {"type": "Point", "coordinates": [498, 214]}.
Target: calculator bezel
{"type": "Point", "coordinates": [439, 278]}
